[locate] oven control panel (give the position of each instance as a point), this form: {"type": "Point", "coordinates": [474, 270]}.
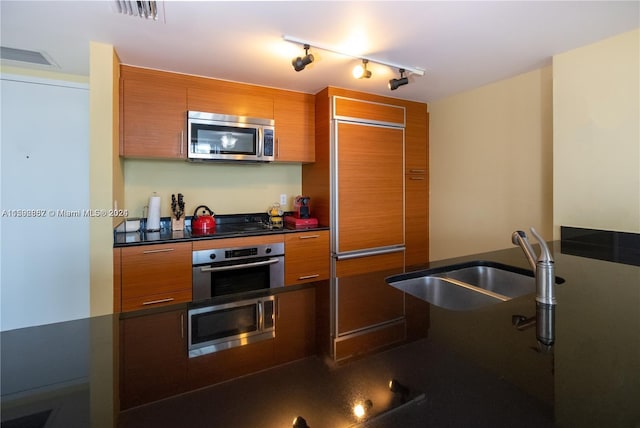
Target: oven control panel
{"type": "Point", "coordinates": [227, 254]}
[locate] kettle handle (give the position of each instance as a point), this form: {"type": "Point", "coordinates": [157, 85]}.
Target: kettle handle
{"type": "Point", "coordinates": [195, 212]}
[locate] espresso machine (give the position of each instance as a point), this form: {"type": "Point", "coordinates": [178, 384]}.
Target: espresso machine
{"type": "Point", "coordinates": [301, 217]}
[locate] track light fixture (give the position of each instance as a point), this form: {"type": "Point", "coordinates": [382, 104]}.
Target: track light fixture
{"type": "Point", "coordinates": [360, 71]}
{"type": "Point", "coordinates": [300, 422]}
{"type": "Point", "coordinates": [396, 83]}
{"type": "Point", "coordinates": [300, 63]}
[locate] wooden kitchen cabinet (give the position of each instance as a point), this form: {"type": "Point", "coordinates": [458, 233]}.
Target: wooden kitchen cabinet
{"type": "Point", "coordinates": [307, 257]}
{"type": "Point", "coordinates": [153, 357]}
{"type": "Point", "coordinates": [295, 126]}
{"type": "Point", "coordinates": [215, 97]}
{"type": "Point", "coordinates": [295, 325]}
{"type": "Point", "coordinates": [417, 186]}
{"type": "Point", "coordinates": [155, 275]}
{"type": "Point", "coordinates": [153, 119]}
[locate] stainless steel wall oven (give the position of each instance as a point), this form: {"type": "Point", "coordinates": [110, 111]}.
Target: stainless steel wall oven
{"type": "Point", "coordinates": [226, 271]}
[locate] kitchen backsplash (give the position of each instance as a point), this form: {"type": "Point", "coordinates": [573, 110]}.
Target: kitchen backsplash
{"type": "Point", "coordinates": [224, 188]}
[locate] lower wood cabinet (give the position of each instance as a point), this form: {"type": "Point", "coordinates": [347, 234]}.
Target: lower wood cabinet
{"type": "Point", "coordinates": [307, 257]}
{"type": "Point", "coordinates": [153, 357]}
{"type": "Point", "coordinates": [155, 275]}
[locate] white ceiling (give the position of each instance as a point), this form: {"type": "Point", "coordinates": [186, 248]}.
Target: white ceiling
{"type": "Point", "coordinates": [461, 45]}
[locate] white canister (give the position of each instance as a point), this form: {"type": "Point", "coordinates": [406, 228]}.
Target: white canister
{"type": "Point", "coordinates": [153, 214]}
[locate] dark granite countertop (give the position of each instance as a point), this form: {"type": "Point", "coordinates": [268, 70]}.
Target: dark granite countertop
{"type": "Point", "coordinates": [474, 369]}
{"type": "Point", "coordinates": [256, 225]}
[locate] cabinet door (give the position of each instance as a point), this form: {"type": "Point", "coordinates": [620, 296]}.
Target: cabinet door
{"type": "Point", "coordinates": [154, 275]}
{"type": "Point", "coordinates": [239, 103]}
{"type": "Point", "coordinates": [307, 257]}
{"type": "Point", "coordinates": [370, 173]}
{"type": "Point", "coordinates": [295, 325]}
{"type": "Point", "coordinates": [416, 219]}
{"type": "Point", "coordinates": [153, 119]}
{"type": "Point", "coordinates": [153, 357]}
{"type": "Point", "coordinates": [295, 125]}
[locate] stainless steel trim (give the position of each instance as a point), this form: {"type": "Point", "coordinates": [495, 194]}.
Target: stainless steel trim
{"type": "Point", "coordinates": [163, 250]}
{"type": "Point", "coordinates": [260, 315]}
{"type": "Point", "coordinates": [239, 266]}
{"type": "Point", "coordinates": [373, 252]}
{"type": "Point", "coordinates": [182, 142]}
{"type": "Point", "coordinates": [182, 325]}
{"type": "Point", "coordinates": [368, 329]}
{"type": "Point", "coordinates": [315, 275]}
{"type": "Point", "coordinates": [238, 120]}
{"type": "Point", "coordinates": [154, 302]}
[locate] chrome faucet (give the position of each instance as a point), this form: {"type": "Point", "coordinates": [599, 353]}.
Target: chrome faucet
{"type": "Point", "coordinates": [543, 266]}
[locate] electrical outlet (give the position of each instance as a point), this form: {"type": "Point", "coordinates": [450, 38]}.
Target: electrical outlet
{"type": "Point", "coordinates": [283, 199]}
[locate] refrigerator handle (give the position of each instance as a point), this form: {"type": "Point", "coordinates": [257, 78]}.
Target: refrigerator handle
{"type": "Point", "coordinates": [375, 252]}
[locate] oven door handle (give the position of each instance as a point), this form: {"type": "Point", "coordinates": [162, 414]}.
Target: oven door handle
{"type": "Point", "coordinates": [242, 266]}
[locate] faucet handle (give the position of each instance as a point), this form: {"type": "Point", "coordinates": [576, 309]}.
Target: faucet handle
{"type": "Point", "coordinates": [545, 254]}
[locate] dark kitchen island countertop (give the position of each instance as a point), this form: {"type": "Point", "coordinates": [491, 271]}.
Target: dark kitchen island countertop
{"type": "Point", "coordinates": [474, 369]}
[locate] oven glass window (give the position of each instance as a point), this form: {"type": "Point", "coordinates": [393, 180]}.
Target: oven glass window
{"type": "Point", "coordinates": [240, 280]}
{"type": "Point", "coordinates": [224, 139]}
{"type": "Point", "coordinates": [223, 323]}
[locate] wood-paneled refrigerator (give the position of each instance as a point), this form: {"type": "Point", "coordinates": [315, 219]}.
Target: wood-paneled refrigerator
{"type": "Point", "coordinates": [364, 202]}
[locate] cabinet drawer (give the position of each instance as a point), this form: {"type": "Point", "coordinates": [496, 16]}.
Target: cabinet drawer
{"type": "Point", "coordinates": [151, 272]}
{"type": "Point", "coordinates": [160, 299]}
{"type": "Point", "coordinates": [306, 257]}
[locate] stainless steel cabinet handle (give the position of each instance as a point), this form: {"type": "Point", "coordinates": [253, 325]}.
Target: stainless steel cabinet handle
{"type": "Point", "coordinates": [236, 267]}
{"type": "Point", "coordinates": [182, 326]}
{"type": "Point", "coordinates": [182, 142]}
{"type": "Point", "coordinates": [163, 250]}
{"type": "Point", "coordinates": [417, 171]}
{"type": "Point", "coordinates": [155, 302]}
{"type": "Point", "coordinates": [308, 236]}
{"type": "Point", "coordinates": [315, 275]}
{"type": "Point", "coordinates": [414, 177]}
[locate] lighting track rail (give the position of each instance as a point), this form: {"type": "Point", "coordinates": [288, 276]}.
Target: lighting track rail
{"type": "Point", "coordinates": [412, 70]}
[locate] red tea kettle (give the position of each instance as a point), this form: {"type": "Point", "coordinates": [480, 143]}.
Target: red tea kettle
{"type": "Point", "coordinates": [203, 223]}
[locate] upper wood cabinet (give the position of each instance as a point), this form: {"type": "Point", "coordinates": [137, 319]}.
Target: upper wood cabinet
{"type": "Point", "coordinates": [294, 115]}
{"type": "Point", "coordinates": [213, 99]}
{"type": "Point", "coordinates": [417, 139]}
{"type": "Point", "coordinates": [154, 105]}
{"type": "Point", "coordinates": [153, 114]}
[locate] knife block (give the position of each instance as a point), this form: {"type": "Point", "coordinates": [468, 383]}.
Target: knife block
{"type": "Point", "coordinates": [177, 224]}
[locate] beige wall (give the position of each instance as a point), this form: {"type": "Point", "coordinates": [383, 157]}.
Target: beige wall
{"type": "Point", "coordinates": [491, 165]}
{"type": "Point", "coordinates": [596, 114]}
{"type": "Point", "coordinates": [104, 172]}
{"type": "Point", "coordinates": [224, 188]}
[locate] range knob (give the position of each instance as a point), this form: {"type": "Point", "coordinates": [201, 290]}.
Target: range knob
{"type": "Point", "coordinates": [212, 256]}
{"type": "Point", "coordinates": [268, 250]}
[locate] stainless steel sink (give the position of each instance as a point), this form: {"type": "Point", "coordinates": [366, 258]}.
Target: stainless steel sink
{"type": "Point", "coordinates": [467, 286]}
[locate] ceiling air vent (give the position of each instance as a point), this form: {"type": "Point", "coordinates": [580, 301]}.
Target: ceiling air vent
{"type": "Point", "coordinates": [143, 9]}
{"type": "Point", "coordinates": [23, 55]}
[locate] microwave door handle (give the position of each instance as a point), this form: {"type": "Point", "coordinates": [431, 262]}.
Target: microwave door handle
{"type": "Point", "coordinates": [236, 267]}
{"type": "Point", "coordinates": [260, 142]}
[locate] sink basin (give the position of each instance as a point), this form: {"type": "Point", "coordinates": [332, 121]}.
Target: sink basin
{"type": "Point", "coordinates": [444, 293]}
{"type": "Point", "coordinates": [467, 286]}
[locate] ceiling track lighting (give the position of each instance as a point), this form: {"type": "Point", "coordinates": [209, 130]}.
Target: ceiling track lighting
{"type": "Point", "coordinates": [366, 73]}
{"type": "Point", "coordinates": [396, 83]}
{"type": "Point", "coordinates": [360, 71]}
{"type": "Point", "coordinates": [300, 63]}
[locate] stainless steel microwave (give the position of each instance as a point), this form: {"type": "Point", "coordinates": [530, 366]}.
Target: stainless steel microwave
{"type": "Point", "coordinates": [218, 137]}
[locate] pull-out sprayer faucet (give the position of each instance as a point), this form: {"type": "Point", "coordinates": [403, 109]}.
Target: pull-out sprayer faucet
{"type": "Point", "coordinates": [543, 268]}
{"type": "Point", "coordinates": [543, 265]}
